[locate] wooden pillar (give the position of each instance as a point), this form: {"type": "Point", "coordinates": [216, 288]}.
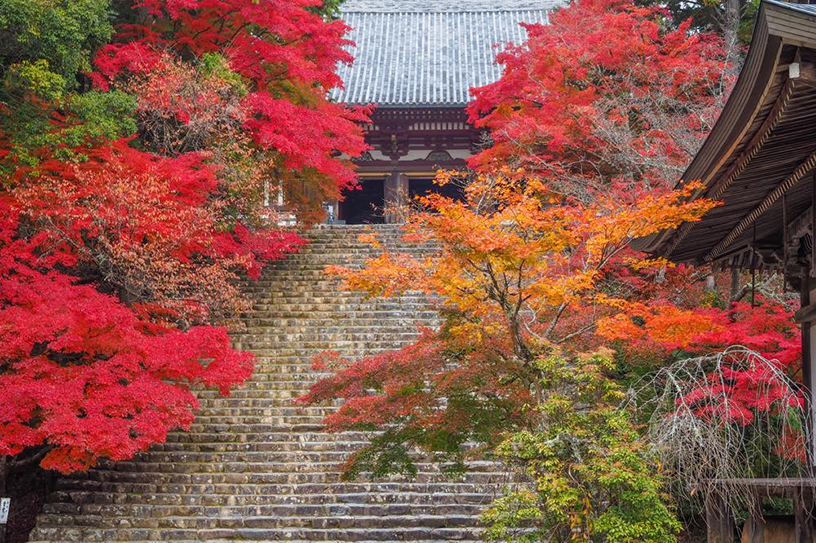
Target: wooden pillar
{"type": "Point", "coordinates": [802, 506]}
{"type": "Point", "coordinates": [808, 296]}
{"type": "Point", "coordinates": [753, 531]}
{"type": "Point", "coordinates": [808, 366]}
{"type": "Point", "coordinates": [396, 193]}
{"type": "Point", "coordinates": [719, 521]}
{"type": "Point", "coordinates": [3, 491]}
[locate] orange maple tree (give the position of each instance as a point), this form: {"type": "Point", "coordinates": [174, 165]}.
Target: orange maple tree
{"type": "Point", "coordinates": [520, 271]}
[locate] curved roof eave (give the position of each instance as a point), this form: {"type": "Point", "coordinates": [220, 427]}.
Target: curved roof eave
{"type": "Point", "coordinates": [774, 28]}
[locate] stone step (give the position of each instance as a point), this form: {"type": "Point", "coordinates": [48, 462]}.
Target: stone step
{"type": "Point", "coordinates": [292, 514]}
{"type": "Point", "coordinates": [272, 478]}
{"type": "Point", "coordinates": [427, 498]}
{"type": "Point", "coordinates": [124, 533]}
{"type": "Point", "coordinates": [259, 466]}
{"type": "Point", "coordinates": [189, 521]}
{"type": "Point", "coordinates": [297, 490]}
{"type": "Point", "coordinates": [273, 446]}
{"type": "Point", "coordinates": [208, 422]}
{"type": "Point", "coordinates": [238, 409]}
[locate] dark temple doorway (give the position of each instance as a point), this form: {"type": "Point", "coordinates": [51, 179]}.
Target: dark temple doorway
{"type": "Point", "coordinates": [365, 204]}
{"type": "Point", "coordinates": [421, 187]}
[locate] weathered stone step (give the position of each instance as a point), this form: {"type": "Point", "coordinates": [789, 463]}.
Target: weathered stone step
{"type": "Point", "coordinates": [428, 498]}
{"type": "Point", "coordinates": [257, 326]}
{"type": "Point", "coordinates": [257, 522]}
{"type": "Point", "coordinates": [209, 422]}
{"type": "Point", "coordinates": [339, 309]}
{"type": "Point", "coordinates": [274, 407]}
{"type": "Point", "coordinates": [350, 348]}
{"type": "Point", "coordinates": [292, 477]}
{"type": "Point", "coordinates": [260, 467]}
{"type": "Point", "coordinates": [90, 534]}
{"type": "Point", "coordinates": [408, 332]}
{"type": "Point", "coordinates": [252, 429]}
{"type": "Point", "coordinates": [419, 535]}
{"type": "Point", "coordinates": [298, 514]}
{"type": "Point", "coordinates": [276, 397]}
{"type": "Point", "coordinates": [251, 387]}
{"type": "Point", "coordinates": [336, 314]}
{"type": "Point", "coordinates": [301, 332]}
{"type": "Point", "coordinates": [188, 492]}
{"type": "Point", "coordinates": [273, 446]}
{"type": "Point", "coordinates": [237, 409]}
{"type": "Point", "coordinates": [288, 436]}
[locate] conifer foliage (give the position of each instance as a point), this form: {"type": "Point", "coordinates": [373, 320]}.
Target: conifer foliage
{"type": "Point", "coordinates": [139, 142]}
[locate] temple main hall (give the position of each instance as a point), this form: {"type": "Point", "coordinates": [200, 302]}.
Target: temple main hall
{"type": "Point", "coordinates": [416, 61]}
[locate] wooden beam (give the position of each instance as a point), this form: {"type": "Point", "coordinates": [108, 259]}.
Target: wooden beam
{"type": "Point", "coordinates": [805, 314]}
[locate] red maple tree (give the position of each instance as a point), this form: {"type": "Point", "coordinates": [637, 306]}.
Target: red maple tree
{"type": "Point", "coordinates": [121, 256]}
{"type": "Point", "coordinates": [604, 96]}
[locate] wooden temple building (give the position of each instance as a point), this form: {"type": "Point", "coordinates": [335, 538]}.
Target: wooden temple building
{"type": "Point", "coordinates": [760, 162]}
{"type": "Point", "coordinates": [416, 60]}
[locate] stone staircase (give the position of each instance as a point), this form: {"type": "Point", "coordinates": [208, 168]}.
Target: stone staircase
{"type": "Point", "coordinates": [255, 467]}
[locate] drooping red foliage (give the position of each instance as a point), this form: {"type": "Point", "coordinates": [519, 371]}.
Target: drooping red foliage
{"type": "Point", "coordinates": [767, 329]}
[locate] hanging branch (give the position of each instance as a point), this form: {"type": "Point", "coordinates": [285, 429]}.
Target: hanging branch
{"type": "Point", "coordinates": [714, 439]}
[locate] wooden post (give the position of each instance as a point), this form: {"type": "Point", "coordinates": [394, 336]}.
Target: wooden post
{"type": "Point", "coordinates": [735, 282]}
{"type": "Point", "coordinates": [808, 366]}
{"type": "Point", "coordinates": [753, 268]}
{"type": "Point", "coordinates": [754, 530]}
{"type": "Point", "coordinates": [3, 491]}
{"type": "Point", "coordinates": [812, 271]}
{"type": "Point", "coordinates": [396, 197]}
{"type": "Point", "coordinates": [807, 369]}
{"type": "Point", "coordinates": [785, 242]}
{"type": "Point", "coordinates": [719, 523]}
{"type": "Point", "coordinates": [802, 506]}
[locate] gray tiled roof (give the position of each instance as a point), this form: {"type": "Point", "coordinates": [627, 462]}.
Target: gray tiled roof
{"type": "Point", "coordinates": [431, 6]}
{"type": "Point", "coordinates": [421, 53]}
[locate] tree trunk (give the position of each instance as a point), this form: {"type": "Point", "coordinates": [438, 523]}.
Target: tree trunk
{"type": "Point", "coordinates": [711, 283]}
{"type": "Point", "coordinates": [730, 30]}
{"type": "Point", "coordinates": [735, 284]}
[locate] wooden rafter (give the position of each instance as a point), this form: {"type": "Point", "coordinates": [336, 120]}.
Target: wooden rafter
{"type": "Point", "coordinates": [751, 149]}
{"type": "Point", "coordinates": [806, 166]}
